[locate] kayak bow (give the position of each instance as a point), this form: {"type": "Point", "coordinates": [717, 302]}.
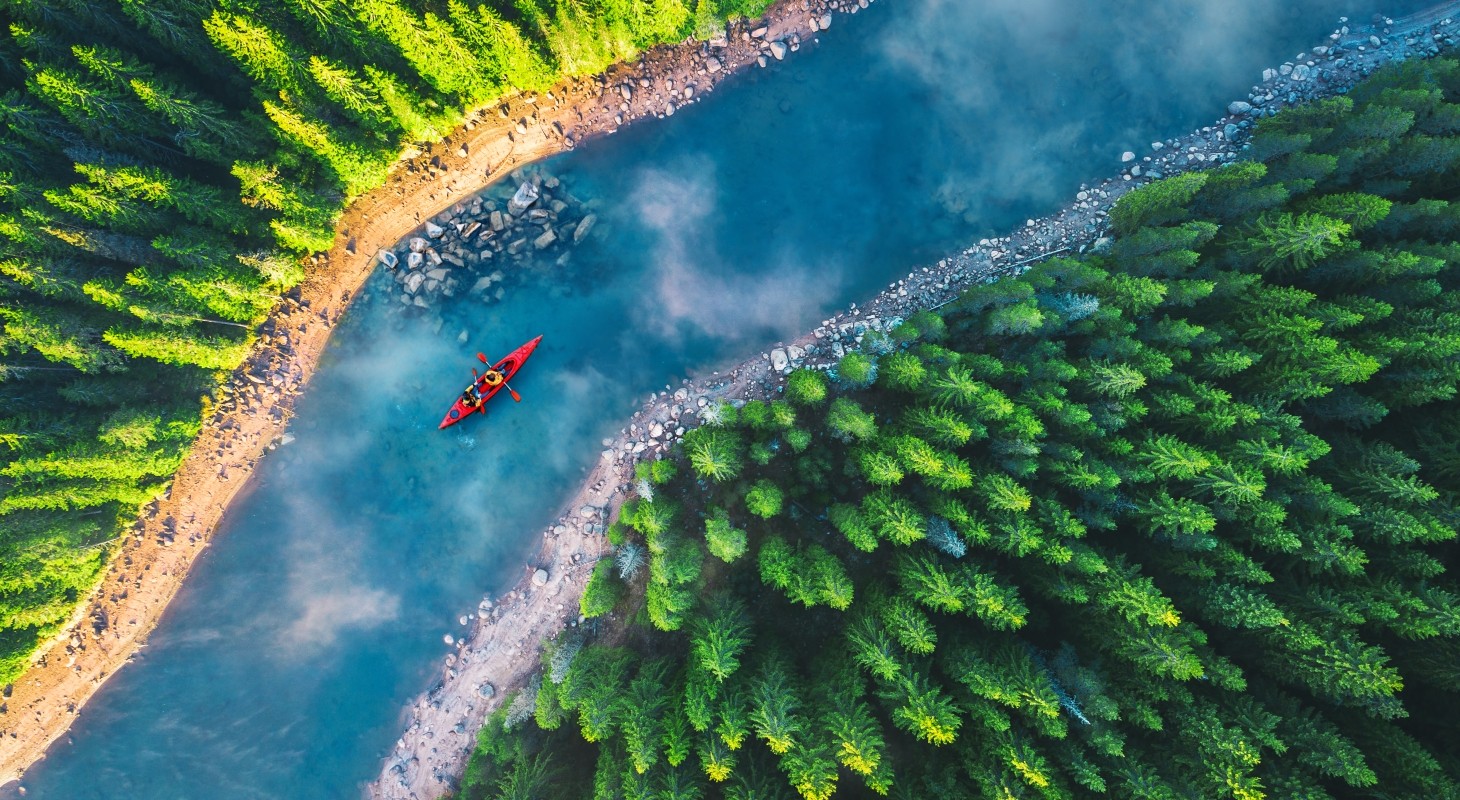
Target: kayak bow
{"type": "Point", "coordinates": [508, 366]}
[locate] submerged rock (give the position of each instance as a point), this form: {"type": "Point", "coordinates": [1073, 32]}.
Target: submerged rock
{"type": "Point", "coordinates": [1238, 107]}
{"type": "Point", "coordinates": [584, 226]}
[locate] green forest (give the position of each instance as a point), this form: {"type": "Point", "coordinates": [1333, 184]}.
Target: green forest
{"type": "Point", "coordinates": [166, 166]}
{"type": "Point", "coordinates": [1167, 521]}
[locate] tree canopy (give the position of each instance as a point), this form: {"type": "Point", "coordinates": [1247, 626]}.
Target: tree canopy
{"type": "Point", "coordinates": [1182, 531]}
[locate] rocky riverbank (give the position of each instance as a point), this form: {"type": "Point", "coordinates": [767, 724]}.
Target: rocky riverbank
{"type": "Point", "coordinates": [501, 652]}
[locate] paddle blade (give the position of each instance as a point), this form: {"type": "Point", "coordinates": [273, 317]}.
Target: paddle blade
{"type": "Point", "coordinates": [515, 396]}
{"type": "Point", "coordinates": [482, 358]}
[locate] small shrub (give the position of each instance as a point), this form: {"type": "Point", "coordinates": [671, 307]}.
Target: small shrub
{"type": "Point", "coordinates": [856, 371]}
{"type": "Point", "coordinates": [764, 499]}
{"type": "Point", "coordinates": [806, 387]}
{"type": "Point", "coordinates": [629, 559]}
{"type": "Point", "coordinates": [724, 541]}
{"type": "Point", "coordinates": [599, 596]}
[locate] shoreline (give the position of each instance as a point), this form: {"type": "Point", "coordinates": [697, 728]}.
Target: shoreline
{"type": "Point", "coordinates": [502, 651]}
{"type": "Point", "coordinates": [256, 404]}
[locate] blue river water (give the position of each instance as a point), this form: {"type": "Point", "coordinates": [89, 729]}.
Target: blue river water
{"type": "Point", "coordinates": [910, 129]}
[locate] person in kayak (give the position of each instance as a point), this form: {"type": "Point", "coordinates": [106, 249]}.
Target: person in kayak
{"type": "Point", "coordinates": [492, 378]}
{"type": "Point", "coordinates": [471, 398]}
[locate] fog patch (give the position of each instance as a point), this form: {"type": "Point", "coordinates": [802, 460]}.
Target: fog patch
{"type": "Point", "coordinates": [325, 594]}
{"type": "Point", "coordinates": [694, 288]}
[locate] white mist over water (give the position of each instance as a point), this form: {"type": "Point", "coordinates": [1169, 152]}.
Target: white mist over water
{"type": "Point", "coordinates": [913, 127]}
{"type": "Point", "coordinates": [695, 285]}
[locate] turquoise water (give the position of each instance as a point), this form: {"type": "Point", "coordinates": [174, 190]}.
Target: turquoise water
{"type": "Point", "coordinates": [912, 128]}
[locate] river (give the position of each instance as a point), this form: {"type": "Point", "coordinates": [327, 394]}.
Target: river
{"type": "Point", "coordinates": [910, 129]}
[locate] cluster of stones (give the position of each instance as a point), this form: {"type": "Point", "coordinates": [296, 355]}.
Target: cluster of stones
{"type": "Point", "coordinates": [480, 244]}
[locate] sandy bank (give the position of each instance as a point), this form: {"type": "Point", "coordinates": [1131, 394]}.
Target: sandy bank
{"type": "Point", "coordinates": [502, 651]}
{"type": "Point", "coordinates": [154, 557]}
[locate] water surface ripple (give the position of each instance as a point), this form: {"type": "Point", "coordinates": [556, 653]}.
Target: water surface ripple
{"type": "Point", "coordinates": [912, 128]}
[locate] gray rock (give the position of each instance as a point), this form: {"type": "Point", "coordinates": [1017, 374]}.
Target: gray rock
{"type": "Point", "coordinates": [389, 259]}
{"type": "Point", "coordinates": [626, 92]}
{"type": "Point", "coordinates": [487, 690]}
{"type": "Point", "coordinates": [438, 274]}
{"type": "Point", "coordinates": [462, 337]}
{"type": "Point", "coordinates": [413, 282]}
{"type": "Point", "coordinates": [481, 285]}
{"type": "Point", "coordinates": [779, 361]}
{"type": "Point", "coordinates": [1302, 72]}
{"type": "Point", "coordinates": [498, 221]}
{"type": "Point", "coordinates": [826, 20]}
{"type": "Point", "coordinates": [546, 239]}
{"type": "Point", "coordinates": [585, 225]}
{"type": "Point", "coordinates": [418, 245]}
{"type": "Point", "coordinates": [1229, 132]}
{"type": "Point", "coordinates": [433, 230]}
{"type": "Point", "coordinates": [758, 33]}
{"type": "Point", "coordinates": [778, 50]}
{"type": "Point", "coordinates": [415, 260]}
{"type": "Point", "coordinates": [540, 578]}
{"type": "Point", "coordinates": [526, 195]}
{"type": "Point", "coordinates": [1124, 157]}
{"type": "Point", "coordinates": [1238, 107]}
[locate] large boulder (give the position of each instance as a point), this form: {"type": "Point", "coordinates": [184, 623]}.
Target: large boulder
{"type": "Point", "coordinates": [526, 195]}
{"type": "Point", "coordinates": [584, 226]}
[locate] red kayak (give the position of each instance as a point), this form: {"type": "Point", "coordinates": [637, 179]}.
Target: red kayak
{"type": "Point", "coordinates": [508, 366]}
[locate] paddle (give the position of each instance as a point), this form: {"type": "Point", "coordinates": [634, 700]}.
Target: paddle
{"type": "Point", "coordinates": [515, 396]}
